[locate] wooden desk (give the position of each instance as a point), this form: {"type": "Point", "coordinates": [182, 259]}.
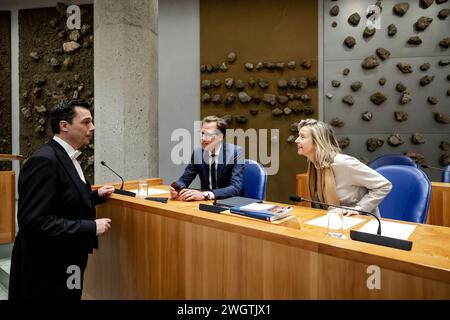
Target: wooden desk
{"type": "Point", "coordinates": [9, 157]}
{"type": "Point", "coordinates": [174, 251]}
{"type": "Point", "coordinates": [8, 200]}
{"type": "Point", "coordinates": [7, 206]}
{"type": "Point", "coordinates": [438, 213]}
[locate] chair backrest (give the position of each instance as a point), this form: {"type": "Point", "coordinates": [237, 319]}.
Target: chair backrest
{"type": "Point", "coordinates": [410, 196]}
{"type": "Point", "coordinates": [446, 174]}
{"type": "Point", "coordinates": [389, 159]}
{"type": "Point", "coordinates": [255, 180]}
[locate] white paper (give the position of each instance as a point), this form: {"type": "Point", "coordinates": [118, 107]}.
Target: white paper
{"type": "Point", "coordinates": [323, 221]}
{"type": "Point", "coordinates": [257, 206]}
{"type": "Point", "coordinates": [151, 191]}
{"type": "Point", "coordinates": [389, 229]}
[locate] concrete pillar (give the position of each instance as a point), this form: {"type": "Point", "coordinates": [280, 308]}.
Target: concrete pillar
{"type": "Point", "coordinates": [126, 88]}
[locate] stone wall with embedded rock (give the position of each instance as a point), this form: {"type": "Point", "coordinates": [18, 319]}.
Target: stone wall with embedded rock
{"type": "Point", "coordinates": [55, 64]}
{"type": "Point", "coordinates": [401, 104]}
{"type": "Point", "coordinates": [259, 70]}
{"type": "Point", "coordinates": [5, 87]}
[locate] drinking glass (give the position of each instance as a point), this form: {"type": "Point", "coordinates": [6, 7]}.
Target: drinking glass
{"type": "Point", "coordinates": [143, 189]}
{"type": "Point", "coordinates": [335, 225]}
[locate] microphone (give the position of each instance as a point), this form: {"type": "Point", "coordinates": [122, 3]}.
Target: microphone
{"type": "Point", "coordinates": [425, 166]}
{"type": "Point", "coordinates": [364, 236]}
{"type": "Point", "coordinates": [121, 191]}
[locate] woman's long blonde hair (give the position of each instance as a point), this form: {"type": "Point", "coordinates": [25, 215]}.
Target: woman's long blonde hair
{"type": "Point", "coordinates": [324, 139]}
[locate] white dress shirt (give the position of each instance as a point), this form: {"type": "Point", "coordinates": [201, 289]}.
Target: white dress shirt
{"type": "Point", "coordinates": [73, 155]}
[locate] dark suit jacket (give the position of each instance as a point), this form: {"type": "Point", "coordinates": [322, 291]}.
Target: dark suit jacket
{"type": "Point", "coordinates": [230, 171]}
{"type": "Point", "coordinates": [56, 216]}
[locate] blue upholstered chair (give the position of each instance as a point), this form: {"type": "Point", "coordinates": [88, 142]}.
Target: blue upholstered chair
{"type": "Point", "coordinates": [410, 196]}
{"type": "Point", "coordinates": [255, 180]}
{"type": "Point", "coordinates": [388, 159]}
{"type": "Point", "coordinates": [446, 174]}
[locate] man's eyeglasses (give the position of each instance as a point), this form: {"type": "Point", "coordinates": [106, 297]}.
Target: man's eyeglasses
{"type": "Point", "coordinates": [208, 135]}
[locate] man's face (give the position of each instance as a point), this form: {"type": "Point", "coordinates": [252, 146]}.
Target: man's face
{"type": "Point", "coordinates": [79, 133]}
{"type": "Point", "coordinates": [210, 136]}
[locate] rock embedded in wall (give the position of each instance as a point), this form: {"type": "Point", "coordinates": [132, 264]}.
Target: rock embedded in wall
{"type": "Point", "coordinates": [367, 116]}
{"type": "Point", "coordinates": [344, 142]}
{"type": "Point", "coordinates": [401, 8]}
{"type": "Point", "coordinates": [441, 118]}
{"type": "Point", "coordinates": [373, 144]}
{"type": "Point", "coordinates": [422, 23]}
{"type": "Point", "coordinates": [424, 4]}
{"type": "Point", "coordinates": [445, 43]}
{"type": "Point", "coordinates": [400, 116]}
{"type": "Point", "coordinates": [417, 157]}
{"type": "Point", "coordinates": [395, 140]}
{"type": "Point", "coordinates": [392, 30]}
{"type": "Point", "coordinates": [443, 14]}
{"type": "Point", "coordinates": [414, 40]}
{"type": "Point", "coordinates": [417, 138]}
{"type": "Point", "coordinates": [354, 19]}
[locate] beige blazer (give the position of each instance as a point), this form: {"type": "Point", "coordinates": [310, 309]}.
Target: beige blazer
{"type": "Point", "coordinates": [357, 185]}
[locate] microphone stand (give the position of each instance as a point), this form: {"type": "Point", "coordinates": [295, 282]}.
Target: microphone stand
{"type": "Point", "coordinates": [364, 236]}
{"type": "Point", "coordinates": [119, 191]}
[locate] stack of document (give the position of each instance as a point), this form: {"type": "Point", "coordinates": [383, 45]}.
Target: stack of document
{"type": "Point", "coordinates": [266, 212]}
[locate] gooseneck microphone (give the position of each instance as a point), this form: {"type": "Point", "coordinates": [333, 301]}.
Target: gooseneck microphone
{"type": "Point", "coordinates": [364, 236]}
{"type": "Point", "coordinates": [119, 191]}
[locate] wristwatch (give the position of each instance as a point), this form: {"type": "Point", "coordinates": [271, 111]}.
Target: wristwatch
{"type": "Point", "coordinates": [206, 195]}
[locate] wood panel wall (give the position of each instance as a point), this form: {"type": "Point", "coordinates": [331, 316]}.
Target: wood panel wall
{"type": "Point", "coordinates": [267, 31]}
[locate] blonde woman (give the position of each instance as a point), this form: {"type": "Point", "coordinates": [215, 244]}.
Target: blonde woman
{"type": "Point", "coordinates": [336, 178]}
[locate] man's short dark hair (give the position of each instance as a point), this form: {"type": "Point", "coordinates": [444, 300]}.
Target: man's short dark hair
{"type": "Point", "coordinates": [65, 110]}
{"type": "Point", "coordinates": [220, 123]}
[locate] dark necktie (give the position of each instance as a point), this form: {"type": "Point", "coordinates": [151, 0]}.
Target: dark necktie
{"type": "Point", "coordinates": [213, 172]}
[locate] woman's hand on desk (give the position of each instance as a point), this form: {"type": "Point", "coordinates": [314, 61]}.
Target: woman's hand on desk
{"type": "Point", "coordinates": [349, 213]}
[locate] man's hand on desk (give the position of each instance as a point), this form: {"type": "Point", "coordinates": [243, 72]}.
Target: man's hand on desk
{"type": "Point", "coordinates": [173, 193]}
{"type": "Point", "coordinates": [105, 191]}
{"type": "Point", "coordinates": [190, 195]}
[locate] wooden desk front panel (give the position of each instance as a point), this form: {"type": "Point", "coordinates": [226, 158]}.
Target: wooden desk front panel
{"type": "Point", "coordinates": [438, 213]}
{"type": "Point", "coordinates": [182, 255]}
{"type": "Point", "coordinates": [7, 207]}
{"type": "Point", "coordinates": [148, 256]}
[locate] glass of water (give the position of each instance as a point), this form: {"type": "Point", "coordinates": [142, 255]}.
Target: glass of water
{"type": "Point", "coordinates": [335, 225]}
{"type": "Point", "coordinates": [142, 189]}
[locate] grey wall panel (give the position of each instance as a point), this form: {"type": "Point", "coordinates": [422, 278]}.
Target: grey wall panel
{"type": "Point", "coordinates": [419, 110]}
{"type": "Point", "coordinates": [337, 57]}
{"type": "Point", "coordinates": [179, 77]}
{"type": "Point", "coordinates": [397, 45]}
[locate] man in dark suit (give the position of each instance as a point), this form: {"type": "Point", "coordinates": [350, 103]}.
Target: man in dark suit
{"type": "Point", "coordinates": [219, 165]}
{"type": "Point", "coordinates": [56, 214]}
